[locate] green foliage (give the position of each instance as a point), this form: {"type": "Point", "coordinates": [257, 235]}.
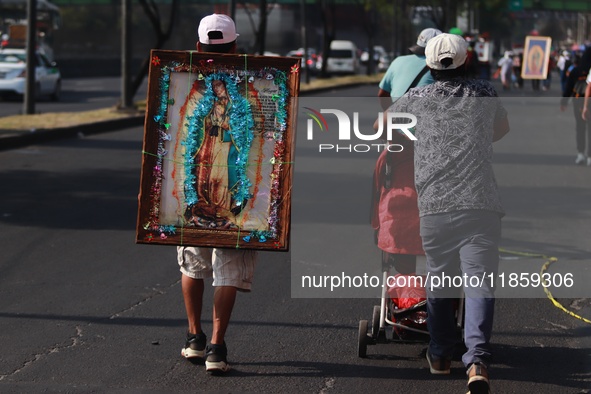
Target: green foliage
{"type": "Point", "coordinates": [493, 4]}
{"type": "Point", "coordinates": [81, 23]}
{"type": "Point", "coordinates": [86, 17]}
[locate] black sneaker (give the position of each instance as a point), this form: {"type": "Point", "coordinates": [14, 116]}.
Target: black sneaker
{"type": "Point", "coordinates": [194, 345]}
{"type": "Point", "coordinates": [216, 359]}
{"type": "Point", "coordinates": [438, 365]}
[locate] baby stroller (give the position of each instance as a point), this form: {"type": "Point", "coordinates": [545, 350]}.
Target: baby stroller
{"type": "Point", "coordinates": [394, 215]}
{"type": "Point", "coordinates": [402, 313]}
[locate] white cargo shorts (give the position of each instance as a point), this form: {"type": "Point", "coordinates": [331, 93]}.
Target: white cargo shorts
{"type": "Point", "coordinates": [228, 267]}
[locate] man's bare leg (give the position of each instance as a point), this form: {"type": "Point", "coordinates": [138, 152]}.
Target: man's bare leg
{"type": "Point", "coordinates": [193, 296]}
{"type": "Point", "coordinates": [223, 303]}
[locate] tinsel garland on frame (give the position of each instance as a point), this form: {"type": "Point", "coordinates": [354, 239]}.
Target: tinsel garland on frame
{"type": "Point", "coordinates": [241, 128]}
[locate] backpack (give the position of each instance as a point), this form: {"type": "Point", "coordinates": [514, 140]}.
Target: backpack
{"type": "Point", "coordinates": [394, 213]}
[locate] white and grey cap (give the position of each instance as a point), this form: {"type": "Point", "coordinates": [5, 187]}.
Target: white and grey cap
{"type": "Point", "coordinates": [446, 46]}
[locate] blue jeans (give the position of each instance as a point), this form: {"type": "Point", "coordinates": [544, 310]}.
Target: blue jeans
{"type": "Point", "coordinates": [461, 244]}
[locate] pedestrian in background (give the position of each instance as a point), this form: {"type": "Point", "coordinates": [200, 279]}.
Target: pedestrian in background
{"type": "Point", "coordinates": [576, 84]}
{"type": "Point", "coordinates": [506, 66]}
{"type": "Point", "coordinates": [232, 269]}
{"type": "Point", "coordinates": [471, 60]}
{"type": "Point", "coordinates": [548, 81]}
{"type": "Point", "coordinates": [517, 63]}
{"type": "Point", "coordinates": [405, 69]}
{"type": "Point", "coordinates": [459, 202]}
{"type": "Point", "coordinates": [563, 64]}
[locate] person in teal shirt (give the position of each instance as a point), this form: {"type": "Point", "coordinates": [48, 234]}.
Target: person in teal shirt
{"type": "Point", "coordinates": [404, 69]}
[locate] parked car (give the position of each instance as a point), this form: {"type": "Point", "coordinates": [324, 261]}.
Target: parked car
{"type": "Point", "coordinates": [13, 68]}
{"type": "Point", "coordinates": [312, 58]}
{"type": "Point", "coordinates": [342, 58]}
{"type": "Point", "coordinates": [381, 59]}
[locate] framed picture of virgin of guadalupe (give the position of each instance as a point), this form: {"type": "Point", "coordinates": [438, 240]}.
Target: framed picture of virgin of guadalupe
{"type": "Point", "coordinates": [218, 150]}
{"type": "Point", "coordinates": [536, 57]}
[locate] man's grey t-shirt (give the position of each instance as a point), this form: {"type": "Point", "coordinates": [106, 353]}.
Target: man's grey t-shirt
{"type": "Point", "coordinates": [453, 151]}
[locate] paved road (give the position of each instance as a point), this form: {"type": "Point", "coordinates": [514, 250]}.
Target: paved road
{"type": "Point", "coordinates": [84, 309]}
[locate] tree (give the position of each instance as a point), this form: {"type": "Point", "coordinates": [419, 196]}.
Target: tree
{"type": "Point", "coordinates": [162, 35]}
{"type": "Point", "coordinates": [442, 13]}
{"type": "Point", "coordinates": [260, 31]}
{"type": "Point", "coordinates": [327, 16]}
{"type": "Point", "coordinates": [368, 8]}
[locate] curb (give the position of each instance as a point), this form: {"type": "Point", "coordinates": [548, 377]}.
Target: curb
{"type": "Point", "coordinates": [11, 140]}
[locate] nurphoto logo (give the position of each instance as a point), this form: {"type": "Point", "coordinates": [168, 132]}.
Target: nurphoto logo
{"type": "Point", "coordinates": [394, 121]}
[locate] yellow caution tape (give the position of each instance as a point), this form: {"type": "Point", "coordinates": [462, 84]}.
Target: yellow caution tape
{"type": "Point", "coordinates": [551, 260]}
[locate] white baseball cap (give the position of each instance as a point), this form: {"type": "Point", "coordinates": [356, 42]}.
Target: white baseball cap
{"type": "Point", "coordinates": [445, 46]}
{"type": "Point", "coordinates": [424, 36]}
{"type": "Point", "coordinates": [217, 29]}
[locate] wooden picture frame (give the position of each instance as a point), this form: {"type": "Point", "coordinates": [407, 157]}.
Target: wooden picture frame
{"type": "Point", "coordinates": [219, 139]}
{"type": "Point", "coordinates": [536, 54]}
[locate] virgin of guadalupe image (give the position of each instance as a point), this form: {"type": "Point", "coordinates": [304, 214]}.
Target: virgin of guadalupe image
{"type": "Point", "coordinates": [536, 60]}
{"type": "Point", "coordinates": [215, 166]}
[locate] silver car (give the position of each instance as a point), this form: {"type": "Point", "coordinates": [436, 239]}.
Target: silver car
{"type": "Point", "coordinates": [13, 67]}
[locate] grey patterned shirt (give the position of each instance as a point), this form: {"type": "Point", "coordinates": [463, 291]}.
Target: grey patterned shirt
{"type": "Point", "coordinates": [453, 151]}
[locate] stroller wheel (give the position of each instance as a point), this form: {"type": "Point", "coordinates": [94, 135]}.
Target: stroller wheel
{"type": "Point", "coordinates": [375, 322]}
{"type": "Point", "coordinates": [362, 339]}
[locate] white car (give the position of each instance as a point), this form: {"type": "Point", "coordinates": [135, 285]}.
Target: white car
{"type": "Point", "coordinates": [48, 79]}
{"type": "Point", "coordinates": [342, 58]}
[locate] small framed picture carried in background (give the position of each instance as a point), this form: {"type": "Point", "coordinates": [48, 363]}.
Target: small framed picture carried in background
{"type": "Point", "coordinates": [219, 141]}
{"type": "Point", "coordinates": [536, 55]}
